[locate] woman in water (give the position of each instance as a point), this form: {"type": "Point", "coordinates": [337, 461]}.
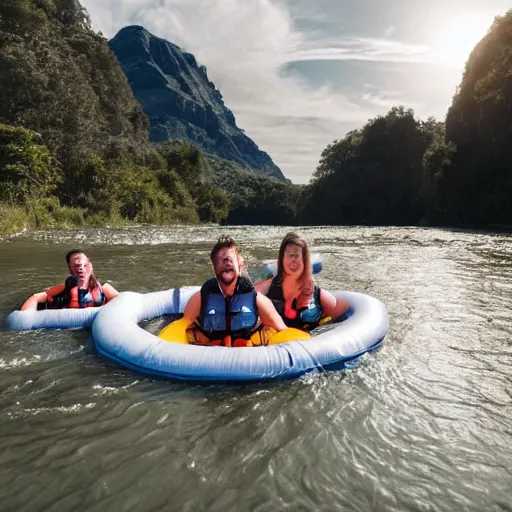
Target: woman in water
{"type": "Point", "coordinates": [80, 290]}
{"type": "Point", "coordinates": [297, 298]}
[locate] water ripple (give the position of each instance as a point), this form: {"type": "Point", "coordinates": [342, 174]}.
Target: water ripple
{"type": "Point", "coordinates": [422, 424]}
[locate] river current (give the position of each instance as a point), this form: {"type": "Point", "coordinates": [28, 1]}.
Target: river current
{"type": "Point", "coordinates": [424, 424]}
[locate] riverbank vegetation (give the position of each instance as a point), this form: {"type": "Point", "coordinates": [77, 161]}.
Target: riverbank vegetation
{"type": "Point", "coordinates": [74, 147]}
{"type": "Point", "coordinates": [401, 170]}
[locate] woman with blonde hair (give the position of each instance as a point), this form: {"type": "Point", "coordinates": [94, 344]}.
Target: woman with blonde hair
{"type": "Point", "coordinates": [296, 296]}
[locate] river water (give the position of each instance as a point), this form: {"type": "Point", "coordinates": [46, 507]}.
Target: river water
{"type": "Point", "coordinates": [423, 424]}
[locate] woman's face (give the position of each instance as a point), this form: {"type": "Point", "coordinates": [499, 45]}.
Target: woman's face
{"type": "Point", "coordinates": [80, 267]}
{"type": "Point", "coordinates": [293, 263]}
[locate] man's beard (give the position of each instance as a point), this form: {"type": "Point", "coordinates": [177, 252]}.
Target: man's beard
{"type": "Point", "coordinates": [224, 279]}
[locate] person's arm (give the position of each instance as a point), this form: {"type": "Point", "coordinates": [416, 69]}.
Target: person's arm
{"type": "Point", "coordinates": [34, 300]}
{"type": "Point", "coordinates": [332, 306]}
{"type": "Point", "coordinates": [193, 308]}
{"type": "Point", "coordinates": [268, 314]}
{"type": "Point", "coordinates": [109, 291]}
{"type": "Point", "coordinates": [263, 286]}
{"type": "Point", "coordinates": [41, 297]}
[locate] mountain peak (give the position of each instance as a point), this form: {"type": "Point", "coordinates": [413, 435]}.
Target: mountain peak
{"type": "Point", "coordinates": [180, 100]}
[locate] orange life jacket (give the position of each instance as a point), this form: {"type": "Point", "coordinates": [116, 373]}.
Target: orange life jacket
{"type": "Point", "coordinates": [84, 298]}
{"type": "Point", "coordinates": [70, 295]}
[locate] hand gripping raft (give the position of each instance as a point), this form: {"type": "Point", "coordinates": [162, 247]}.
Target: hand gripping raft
{"type": "Point", "coordinates": [119, 337]}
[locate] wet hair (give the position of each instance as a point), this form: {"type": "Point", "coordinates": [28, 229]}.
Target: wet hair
{"type": "Point", "coordinates": [306, 281]}
{"type": "Point", "coordinates": [225, 242]}
{"type": "Point", "coordinates": [72, 253]}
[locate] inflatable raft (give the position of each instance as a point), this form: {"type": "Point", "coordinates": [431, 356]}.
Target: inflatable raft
{"type": "Point", "coordinates": [119, 337]}
{"type": "Point", "coordinates": [51, 319]}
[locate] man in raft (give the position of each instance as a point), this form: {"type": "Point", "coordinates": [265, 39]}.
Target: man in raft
{"type": "Point", "coordinates": [228, 311]}
{"type": "Point", "coordinates": [81, 289]}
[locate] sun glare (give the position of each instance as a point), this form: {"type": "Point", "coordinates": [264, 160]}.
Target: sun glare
{"type": "Point", "coordinates": [456, 40]}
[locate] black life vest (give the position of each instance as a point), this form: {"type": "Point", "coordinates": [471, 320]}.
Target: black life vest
{"type": "Point", "coordinates": [306, 318]}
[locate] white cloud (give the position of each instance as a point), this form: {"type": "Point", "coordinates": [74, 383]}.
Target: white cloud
{"type": "Point", "coordinates": [389, 31]}
{"type": "Point", "coordinates": [244, 45]}
{"type": "Point", "coordinates": [367, 49]}
{"type": "Point", "coordinates": [386, 101]}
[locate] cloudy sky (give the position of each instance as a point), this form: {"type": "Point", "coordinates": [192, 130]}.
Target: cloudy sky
{"type": "Point", "coordinates": [299, 74]}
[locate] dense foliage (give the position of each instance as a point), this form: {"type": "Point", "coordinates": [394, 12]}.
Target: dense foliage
{"type": "Point", "coordinates": [475, 180]}
{"type": "Point", "coordinates": [73, 138]}
{"type": "Point", "coordinates": [374, 175]}
{"type": "Point", "coordinates": [28, 178]}
{"type": "Point", "coordinates": [255, 198]}
{"type": "Point", "coordinates": [399, 170]}
{"type": "Point", "coordinates": [74, 146]}
{"type": "Point", "coordinates": [60, 79]}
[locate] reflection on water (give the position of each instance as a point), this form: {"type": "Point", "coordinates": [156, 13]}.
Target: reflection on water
{"type": "Point", "coordinates": [423, 424]}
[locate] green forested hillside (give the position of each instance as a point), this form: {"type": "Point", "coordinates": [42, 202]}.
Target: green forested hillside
{"type": "Point", "coordinates": [60, 79]}
{"type": "Point", "coordinates": [74, 146]}
{"type": "Point", "coordinates": [67, 114]}
{"type": "Point", "coordinates": [474, 184]}
{"type": "Point", "coordinates": [373, 175]}
{"type": "Point", "coordinates": [254, 198]}
{"type": "Point", "coordinates": [400, 170]}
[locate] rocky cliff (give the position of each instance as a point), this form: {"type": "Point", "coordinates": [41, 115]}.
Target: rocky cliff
{"type": "Point", "coordinates": [181, 102]}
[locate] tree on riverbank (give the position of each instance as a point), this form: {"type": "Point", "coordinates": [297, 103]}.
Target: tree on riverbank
{"type": "Point", "coordinates": [399, 170]}
{"type": "Point", "coordinates": [373, 175]}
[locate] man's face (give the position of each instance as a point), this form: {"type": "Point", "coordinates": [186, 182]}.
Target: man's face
{"type": "Point", "coordinates": [80, 266]}
{"type": "Point", "coordinates": [226, 267]}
